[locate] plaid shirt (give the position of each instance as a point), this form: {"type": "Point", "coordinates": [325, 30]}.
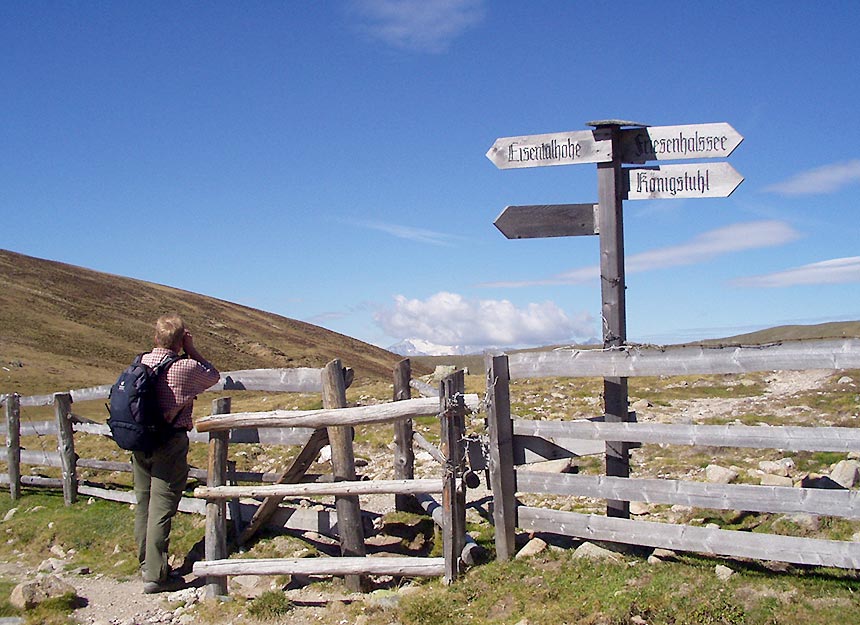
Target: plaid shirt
{"type": "Point", "coordinates": [178, 388]}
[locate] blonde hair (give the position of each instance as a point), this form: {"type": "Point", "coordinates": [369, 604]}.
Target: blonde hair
{"type": "Point", "coordinates": [169, 330]}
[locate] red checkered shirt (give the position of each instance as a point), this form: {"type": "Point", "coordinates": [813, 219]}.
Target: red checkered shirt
{"type": "Point", "coordinates": [177, 388]}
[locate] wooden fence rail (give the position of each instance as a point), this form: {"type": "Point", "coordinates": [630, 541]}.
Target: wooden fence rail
{"type": "Point", "coordinates": [509, 436]}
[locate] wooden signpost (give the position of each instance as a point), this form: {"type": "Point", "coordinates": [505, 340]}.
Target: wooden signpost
{"type": "Point", "coordinates": [611, 144]}
{"type": "Point", "coordinates": [552, 220]}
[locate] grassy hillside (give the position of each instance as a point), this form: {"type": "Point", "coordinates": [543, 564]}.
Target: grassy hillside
{"type": "Point", "coordinates": [65, 327]}
{"type": "Point", "coordinates": [833, 330]}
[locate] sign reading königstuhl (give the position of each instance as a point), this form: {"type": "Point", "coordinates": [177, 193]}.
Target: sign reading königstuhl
{"type": "Point", "coordinates": [690, 180]}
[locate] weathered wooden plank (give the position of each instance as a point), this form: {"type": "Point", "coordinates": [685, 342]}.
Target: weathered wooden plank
{"type": "Point", "coordinates": [686, 360]}
{"type": "Point", "coordinates": [361, 487]}
{"type": "Point", "coordinates": [548, 220]}
{"type": "Point", "coordinates": [397, 566]}
{"type": "Point", "coordinates": [452, 411]}
{"type": "Point", "coordinates": [780, 499]}
{"type": "Point", "coordinates": [425, 390]}
{"type": "Point", "coordinates": [809, 551]}
{"type": "Point", "coordinates": [13, 443]}
{"type": "Point", "coordinates": [288, 380]}
{"type": "Point", "coordinates": [792, 438]}
{"type": "Point", "coordinates": [215, 539]}
{"type": "Point", "coordinates": [336, 417]}
{"type": "Point", "coordinates": [429, 447]}
{"type": "Point", "coordinates": [340, 437]}
{"type": "Point", "coordinates": [500, 464]}
{"type": "Point", "coordinates": [404, 454]}
{"type": "Point", "coordinates": [66, 446]}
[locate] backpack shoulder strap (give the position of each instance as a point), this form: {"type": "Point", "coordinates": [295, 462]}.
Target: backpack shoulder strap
{"type": "Point", "coordinates": [165, 364]}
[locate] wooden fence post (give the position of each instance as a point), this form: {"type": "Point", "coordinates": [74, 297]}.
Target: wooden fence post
{"type": "Point", "coordinates": [66, 446]}
{"type": "Point", "coordinates": [13, 443]}
{"type": "Point", "coordinates": [349, 525]}
{"type": "Point", "coordinates": [452, 409]}
{"type": "Point", "coordinates": [610, 191]}
{"type": "Point", "coordinates": [404, 455]}
{"type": "Point", "coordinates": [501, 461]}
{"type": "Point", "coordinates": [215, 541]}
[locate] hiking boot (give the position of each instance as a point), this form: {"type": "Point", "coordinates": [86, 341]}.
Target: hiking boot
{"type": "Point", "coordinates": [171, 583]}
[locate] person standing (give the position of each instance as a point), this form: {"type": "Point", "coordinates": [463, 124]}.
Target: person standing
{"type": "Point", "coordinates": [160, 477]}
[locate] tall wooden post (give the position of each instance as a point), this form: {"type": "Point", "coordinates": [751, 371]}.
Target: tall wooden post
{"type": "Point", "coordinates": [610, 190]}
{"type": "Point", "coordinates": [66, 446]}
{"type": "Point", "coordinates": [501, 461]}
{"type": "Point", "coordinates": [215, 540]}
{"type": "Point", "coordinates": [452, 409]}
{"type": "Point", "coordinates": [404, 455]}
{"type": "Point", "coordinates": [350, 528]}
{"type": "Point", "coordinates": [13, 443]}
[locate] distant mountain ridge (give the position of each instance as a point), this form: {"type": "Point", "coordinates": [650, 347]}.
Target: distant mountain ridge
{"type": "Point", "coordinates": [65, 327]}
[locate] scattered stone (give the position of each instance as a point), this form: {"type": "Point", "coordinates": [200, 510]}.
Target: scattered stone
{"type": "Point", "coordinates": [641, 404]}
{"type": "Point", "coordinates": [532, 548]}
{"type": "Point", "coordinates": [846, 473]}
{"type": "Point", "coordinates": [773, 468]}
{"type": "Point", "coordinates": [855, 537]}
{"type": "Point", "coordinates": [10, 514]}
{"type": "Point", "coordinates": [723, 572]}
{"type": "Point", "coordinates": [806, 521]}
{"type": "Point", "coordinates": [27, 595]}
{"type": "Point", "coordinates": [845, 380]}
{"type": "Point", "coordinates": [716, 474]}
{"type": "Point", "coordinates": [592, 552]}
{"type": "Point", "coordinates": [58, 551]}
{"type": "Point", "coordinates": [638, 508]}
{"type": "Point", "coordinates": [664, 554]}
{"type": "Point", "coordinates": [51, 565]}
{"type": "Point", "coordinates": [638, 620]}
{"type": "Point", "coordinates": [775, 480]}
{"type": "Point", "coordinates": [384, 598]}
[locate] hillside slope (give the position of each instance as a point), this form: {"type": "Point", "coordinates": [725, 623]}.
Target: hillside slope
{"type": "Point", "coordinates": [64, 327]}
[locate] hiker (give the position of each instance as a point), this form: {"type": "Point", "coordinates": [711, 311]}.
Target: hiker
{"type": "Point", "coordinates": [160, 476]}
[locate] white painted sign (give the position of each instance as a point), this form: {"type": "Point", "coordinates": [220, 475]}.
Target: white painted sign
{"type": "Point", "coordinates": [667, 143]}
{"type": "Point", "coordinates": [560, 148]}
{"type": "Point", "coordinates": [682, 181]}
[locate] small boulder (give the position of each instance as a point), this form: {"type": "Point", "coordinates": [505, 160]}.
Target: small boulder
{"type": "Point", "coordinates": [723, 572]}
{"type": "Point", "coordinates": [776, 480]}
{"type": "Point", "coordinates": [590, 551]}
{"type": "Point", "coordinates": [532, 548]}
{"type": "Point", "coordinates": [773, 468]}
{"type": "Point", "coordinates": [846, 473]}
{"type": "Point", "coordinates": [716, 474]}
{"type": "Point", "coordinates": [27, 595]}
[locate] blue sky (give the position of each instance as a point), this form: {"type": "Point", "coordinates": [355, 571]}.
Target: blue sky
{"type": "Point", "coordinates": [326, 160]}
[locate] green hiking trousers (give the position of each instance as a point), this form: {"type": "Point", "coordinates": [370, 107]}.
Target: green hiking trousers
{"type": "Point", "coordinates": [159, 481]}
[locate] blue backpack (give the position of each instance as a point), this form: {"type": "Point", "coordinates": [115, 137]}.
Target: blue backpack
{"type": "Point", "coordinates": [136, 422]}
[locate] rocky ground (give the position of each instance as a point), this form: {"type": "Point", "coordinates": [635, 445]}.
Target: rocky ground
{"type": "Point", "coordinates": [107, 601]}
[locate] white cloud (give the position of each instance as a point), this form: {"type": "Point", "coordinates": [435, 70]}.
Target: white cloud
{"type": "Point", "coordinates": [826, 179]}
{"type": "Point", "coordinates": [419, 235]}
{"type": "Point", "coordinates": [835, 271]}
{"type": "Point", "coordinates": [704, 247]}
{"type": "Point", "coordinates": [450, 319]}
{"type": "Point", "coordinates": [420, 25]}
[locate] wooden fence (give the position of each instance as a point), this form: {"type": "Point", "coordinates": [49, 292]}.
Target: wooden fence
{"type": "Point", "coordinates": [509, 437]}
{"type": "Point", "coordinates": [312, 429]}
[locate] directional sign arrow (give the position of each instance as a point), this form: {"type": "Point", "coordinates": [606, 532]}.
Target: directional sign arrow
{"type": "Point", "coordinates": [554, 220]}
{"type": "Point", "coordinates": [689, 180]}
{"type": "Point", "coordinates": [668, 143]}
{"type": "Point", "coordinates": [561, 148]}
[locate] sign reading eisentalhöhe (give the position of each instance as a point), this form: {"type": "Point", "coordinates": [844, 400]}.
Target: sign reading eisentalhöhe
{"type": "Point", "coordinates": [667, 143]}
{"type": "Point", "coordinates": [682, 181]}
{"type": "Point", "coordinates": [560, 148]}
